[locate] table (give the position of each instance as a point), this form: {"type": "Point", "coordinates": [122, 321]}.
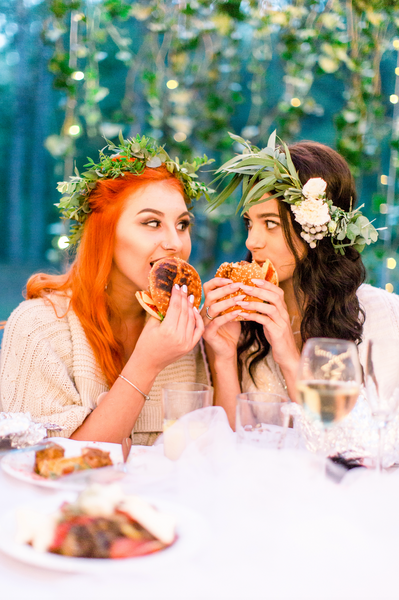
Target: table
{"type": "Point", "coordinates": [278, 530]}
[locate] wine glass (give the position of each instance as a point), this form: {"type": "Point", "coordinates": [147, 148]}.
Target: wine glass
{"type": "Point", "coordinates": [381, 378]}
{"type": "Point", "coordinates": [329, 379]}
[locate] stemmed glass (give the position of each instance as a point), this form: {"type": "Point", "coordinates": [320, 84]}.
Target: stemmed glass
{"type": "Point", "coordinates": [329, 379]}
{"type": "Point", "coordinates": [381, 378]}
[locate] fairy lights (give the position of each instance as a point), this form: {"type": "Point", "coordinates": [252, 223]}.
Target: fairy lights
{"type": "Point", "coordinates": [295, 102]}
{"type": "Point", "coordinates": [180, 136]}
{"type": "Point", "coordinates": [63, 242]}
{"type": "Point", "coordinates": [74, 130]}
{"type": "Point", "coordinates": [389, 208]}
{"type": "Point", "coordinates": [172, 84]}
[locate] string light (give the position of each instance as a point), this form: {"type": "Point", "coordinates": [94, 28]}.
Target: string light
{"type": "Point", "coordinates": [78, 75]}
{"type": "Point", "coordinates": [394, 98]}
{"type": "Point", "coordinates": [383, 208]}
{"type": "Point", "coordinates": [172, 84]}
{"type": "Point", "coordinates": [397, 70]}
{"type": "Point", "coordinates": [389, 287]}
{"type": "Point", "coordinates": [180, 136]}
{"type": "Point", "coordinates": [74, 130]}
{"type": "Point", "coordinates": [391, 263]}
{"type": "Point", "coordinates": [395, 44]}
{"type": "Point", "coordinates": [63, 242]}
{"type": "Point", "coordinates": [384, 179]}
{"type": "Point", "coordinates": [295, 102]}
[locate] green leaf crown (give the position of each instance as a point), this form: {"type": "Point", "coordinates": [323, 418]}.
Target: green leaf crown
{"type": "Point", "coordinates": [271, 170]}
{"type": "Point", "coordinates": [133, 156]}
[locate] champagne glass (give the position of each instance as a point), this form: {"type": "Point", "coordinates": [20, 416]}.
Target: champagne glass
{"type": "Point", "coordinates": [329, 379]}
{"type": "Point", "coordinates": [381, 378]}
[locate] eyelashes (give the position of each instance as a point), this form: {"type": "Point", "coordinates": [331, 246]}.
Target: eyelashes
{"type": "Point", "coordinates": [155, 224]}
{"type": "Point", "coordinates": [269, 224]}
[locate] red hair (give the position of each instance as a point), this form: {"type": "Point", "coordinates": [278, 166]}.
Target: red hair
{"type": "Point", "coordinates": [89, 273]}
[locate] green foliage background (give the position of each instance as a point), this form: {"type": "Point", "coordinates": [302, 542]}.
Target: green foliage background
{"type": "Point", "coordinates": [315, 69]}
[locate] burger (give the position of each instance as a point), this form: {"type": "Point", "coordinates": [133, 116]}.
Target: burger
{"type": "Point", "coordinates": [165, 273]}
{"type": "Point", "coordinates": [244, 272]}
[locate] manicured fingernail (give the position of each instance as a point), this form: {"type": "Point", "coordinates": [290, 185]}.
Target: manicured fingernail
{"type": "Point", "coordinates": [184, 288]}
{"type": "Point", "coordinates": [191, 298]}
{"type": "Point", "coordinates": [177, 286]}
{"type": "Point", "coordinates": [235, 286]}
{"type": "Point", "coordinates": [258, 281]}
{"type": "Point", "coordinates": [240, 297]}
{"type": "Point", "coordinates": [196, 309]}
{"type": "Point", "coordinates": [243, 303]}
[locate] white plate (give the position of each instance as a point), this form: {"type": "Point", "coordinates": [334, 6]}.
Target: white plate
{"type": "Point", "coordinates": [192, 530]}
{"type": "Point", "coordinates": [20, 464]}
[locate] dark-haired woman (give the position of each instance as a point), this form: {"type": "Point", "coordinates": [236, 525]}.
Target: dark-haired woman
{"type": "Point", "coordinates": [321, 291]}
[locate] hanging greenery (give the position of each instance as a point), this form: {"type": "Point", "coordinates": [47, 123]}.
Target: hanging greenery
{"type": "Point", "coordinates": [192, 70]}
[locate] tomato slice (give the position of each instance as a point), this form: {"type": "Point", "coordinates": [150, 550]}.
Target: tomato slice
{"type": "Point", "coordinates": [127, 548]}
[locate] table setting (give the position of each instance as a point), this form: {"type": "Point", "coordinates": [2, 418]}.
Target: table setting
{"type": "Point", "coordinates": [274, 510]}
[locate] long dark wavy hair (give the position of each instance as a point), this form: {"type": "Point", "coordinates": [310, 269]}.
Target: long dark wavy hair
{"type": "Point", "coordinates": [325, 283]}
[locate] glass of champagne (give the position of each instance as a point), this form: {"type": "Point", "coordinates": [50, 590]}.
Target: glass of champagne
{"type": "Point", "coordinates": [381, 378]}
{"type": "Point", "coordinates": [329, 379]}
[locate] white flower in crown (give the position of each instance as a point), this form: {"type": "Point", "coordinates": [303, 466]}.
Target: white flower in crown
{"type": "Point", "coordinates": [314, 187]}
{"type": "Point", "coordinates": [311, 212]}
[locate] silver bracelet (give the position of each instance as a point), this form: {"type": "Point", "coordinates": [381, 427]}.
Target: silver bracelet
{"type": "Point", "coordinates": [135, 387]}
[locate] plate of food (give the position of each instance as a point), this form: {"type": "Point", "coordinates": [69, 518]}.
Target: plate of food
{"type": "Point", "coordinates": [50, 466]}
{"type": "Point", "coordinates": [101, 528]}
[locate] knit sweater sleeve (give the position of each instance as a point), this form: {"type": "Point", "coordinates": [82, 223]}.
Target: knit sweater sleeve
{"type": "Point", "coordinates": [36, 368]}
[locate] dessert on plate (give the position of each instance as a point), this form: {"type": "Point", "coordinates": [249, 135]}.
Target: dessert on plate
{"type": "Point", "coordinates": [51, 462]}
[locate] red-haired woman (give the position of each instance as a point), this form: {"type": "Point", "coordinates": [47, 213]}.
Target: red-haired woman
{"type": "Point", "coordinates": [75, 336]}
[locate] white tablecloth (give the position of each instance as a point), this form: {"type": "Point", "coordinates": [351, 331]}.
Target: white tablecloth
{"type": "Point", "coordinates": [278, 530]}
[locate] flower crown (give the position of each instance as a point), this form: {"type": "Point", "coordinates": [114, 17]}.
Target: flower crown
{"type": "Point", "coordinates": [272, 171]}
{"type": "Point", "coordinates": [133, 156]}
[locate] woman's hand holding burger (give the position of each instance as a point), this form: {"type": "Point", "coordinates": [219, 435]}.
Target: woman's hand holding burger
{"type": "Point", "coordinates": [221, 333]}
{"type": "Point", "coordinates": [172, 300]}
{"type": "Point", "coordinates": [165, 342]}
{"type": "Point", "coordinates": [272, 313]}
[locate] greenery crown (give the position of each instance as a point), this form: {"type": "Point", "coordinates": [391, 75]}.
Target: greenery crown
{"type": "Point", "coordinates": [271, 170]}
{"type": "Point", "coordinates": [133, 156]}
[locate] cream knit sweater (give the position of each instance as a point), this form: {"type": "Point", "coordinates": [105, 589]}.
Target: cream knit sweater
{"type": "Point", "coordinates": [48, 368]}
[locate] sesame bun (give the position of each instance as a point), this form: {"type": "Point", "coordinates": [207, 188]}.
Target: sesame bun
{"type": "Point", "coordinates": [163, 276]}
{"type": "Point", "coordinates": [244, 272]}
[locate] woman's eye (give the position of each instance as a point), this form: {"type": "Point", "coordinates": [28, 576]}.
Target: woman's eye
{"type": "Point", "coordinates": [154, 223]}
{"type": "Point", "coordinates": [271, 224]}
{"type": "Point", "coordinates": [183, 225]}
{"type": "Point", "coordinates": [247, 224]}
